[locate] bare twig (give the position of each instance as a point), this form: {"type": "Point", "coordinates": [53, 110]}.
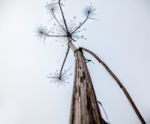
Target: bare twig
{"type": "Point", "coordinates": [59, 22]}
{"type": "Point", "coordinates": [48, 35]}
{"type": "Point", "coordinates": [43, 32]}
{"type": "Point", "coordinates": [80, 25]}
{"type": "Point", "coordinates": [60, 74]}
{"type": "Point", "coordinates": [62, 13]}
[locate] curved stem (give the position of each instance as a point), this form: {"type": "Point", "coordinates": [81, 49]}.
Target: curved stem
{"type": "Point", "coordinates": [119, 83]}
{"type": "Point", "coordinates": [103, 110]}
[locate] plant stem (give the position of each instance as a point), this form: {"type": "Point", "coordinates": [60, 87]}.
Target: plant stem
{"type": "Point", "coordinates": [60, 74]}
{"type": "Point", "coordinates": [119, 83]}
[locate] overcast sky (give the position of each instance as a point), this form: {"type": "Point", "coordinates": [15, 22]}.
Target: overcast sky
{"type": "Point", "coordinates": [120, 35]}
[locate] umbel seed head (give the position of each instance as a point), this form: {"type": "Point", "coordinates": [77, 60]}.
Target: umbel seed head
{"type": "Point", "coordinates": [89, 11]}
{"type": "Point", "coordinates": [42, 32]}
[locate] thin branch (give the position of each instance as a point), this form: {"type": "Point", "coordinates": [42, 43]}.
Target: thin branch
{"type": "Point", "coordinates": [60, 74]}
{"type": "Point", "coordinates": [51, 4]}
{"type": "Point", "coordinates": [48, 35]}
{"type": "Point", "coordinates": [58, 22]}
{"type": "Point", "coordinates": [65, 71]}
{"type": "Point", "coordinates": [62, 13]}
{"type": "Point", "coordinates": [52, 8]}
{"type": "Point", "coordinates": [119, 83]}
{"type": "Point", "coordinates": [80, 25]}
{"type": "Point", "coordinates": [42, 32]}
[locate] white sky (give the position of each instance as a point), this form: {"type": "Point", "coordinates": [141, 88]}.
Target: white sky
{"type": "Point", "coordinates": [121, 36]}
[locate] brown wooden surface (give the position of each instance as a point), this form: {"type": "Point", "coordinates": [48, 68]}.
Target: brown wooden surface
{"type": "Point", "coordinates": [84, 107]}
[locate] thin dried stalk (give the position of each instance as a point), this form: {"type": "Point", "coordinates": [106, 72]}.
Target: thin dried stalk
{"type": "Point", "coordinates": [64, 62]}
{"type": "Point", "coordinates": [119, 83]}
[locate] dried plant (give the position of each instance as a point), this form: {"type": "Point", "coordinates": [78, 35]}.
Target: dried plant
{"type": "Point", "coordinates": [63, 31]}
{"type": "Point", "coordinates": [59, 79]}
{"type": "Point", "coordinates": [42, 32]}
{"type": "Point", "coordinates": [69, 32]}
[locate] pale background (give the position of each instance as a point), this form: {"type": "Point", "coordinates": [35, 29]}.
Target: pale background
{"type": "Point", "coordinates": [120, 35]}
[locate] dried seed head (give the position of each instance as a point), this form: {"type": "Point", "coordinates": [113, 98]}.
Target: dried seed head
{"type": "Point", "coordinates": [59, 79]}
{"type": "Point", "coordinates": [52, 8]}
{"type": "Point", "coordinates": [89, 12]}
{"type": "Point", "coordinates": [42, 32]}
